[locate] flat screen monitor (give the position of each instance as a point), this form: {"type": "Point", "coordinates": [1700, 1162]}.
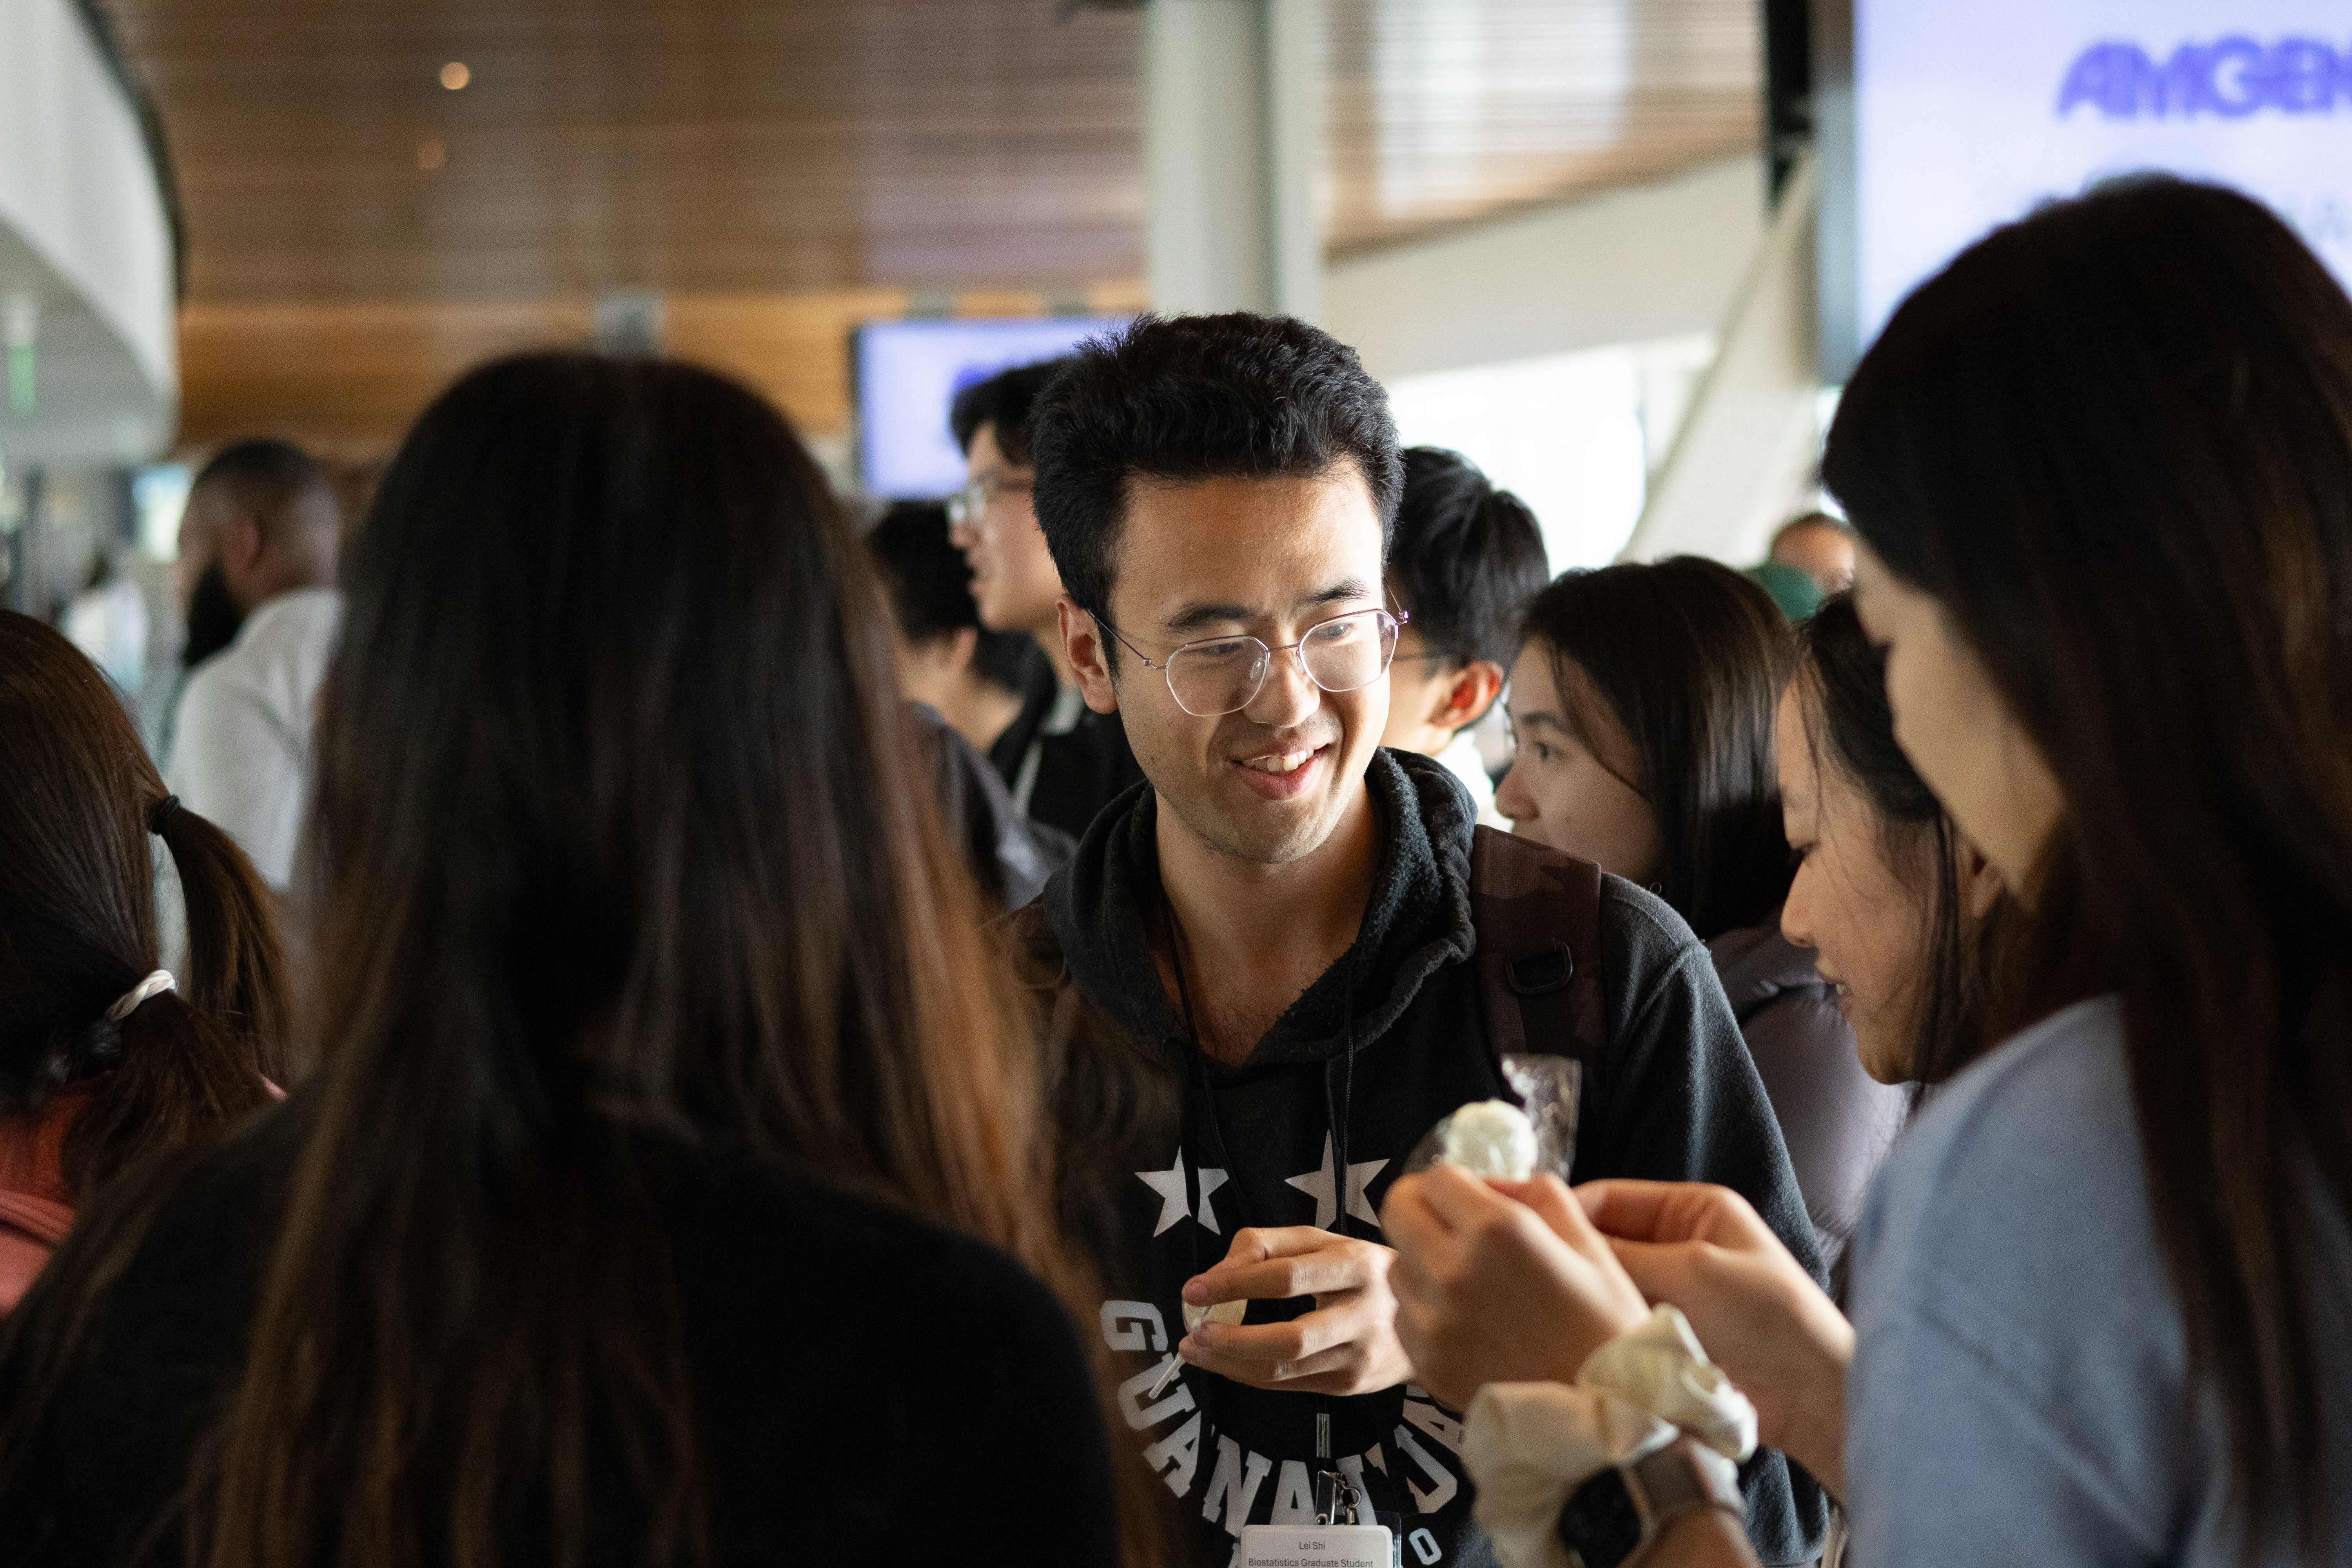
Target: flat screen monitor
{"type": "Point", "coordinates": [907, 374]}
{"type": "Point", "coordinates": [1940, 121]}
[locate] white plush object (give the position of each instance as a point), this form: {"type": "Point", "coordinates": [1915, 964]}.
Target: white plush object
{"type": "Point", "coordinates": [1528, 1446]}
{"type": "Point", "coordinates": [1222, 1312]}
{"type": "Point", "coordinates": [1491, 1138]}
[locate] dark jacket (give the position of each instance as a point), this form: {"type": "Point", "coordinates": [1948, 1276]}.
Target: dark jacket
{"type": "Point", "coordinates": [868, 1386]}
{"type": "Point", "coordinates": [1167, 1153]}
{"type": "Point", "coordinates": [1837, 1121]}
{"type": "Point", "coordinates": [1063, 767]}
{"type": "Point", "coordinates": [1010, 856]}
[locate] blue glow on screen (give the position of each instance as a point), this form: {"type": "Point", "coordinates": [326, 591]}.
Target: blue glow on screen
{"type": "Point", "coordinates": [1968, 116]}
{"type": "Point", "coordinates": [907, 374]}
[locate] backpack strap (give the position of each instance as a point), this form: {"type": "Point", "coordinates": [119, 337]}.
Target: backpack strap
{"type": "Point", "coordinates": [1537, 914]}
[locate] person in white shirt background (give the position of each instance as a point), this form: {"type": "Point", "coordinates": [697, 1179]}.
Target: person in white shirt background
{"type": "Point", "coordinates": [262, 520]}
{"type": "Point", "coordinates": [1466, 561]}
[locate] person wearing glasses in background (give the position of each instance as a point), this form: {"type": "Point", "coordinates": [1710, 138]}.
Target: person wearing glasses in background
{"type": "Point", "coordinates": [1062, 762]}
{"type": "Point", "coordinates": [1463, 560]}
{"type": "Point", "coordinates": [1259, 974]}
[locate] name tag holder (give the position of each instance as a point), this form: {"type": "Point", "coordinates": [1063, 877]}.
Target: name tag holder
{"type": "Point", "coordinates": [1327, 1543]}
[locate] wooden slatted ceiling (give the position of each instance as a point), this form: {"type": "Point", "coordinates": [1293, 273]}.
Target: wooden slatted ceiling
{"type": "Point", "coordinates": [1442, 112]}
{"type": "Point", "coordinates": [752, 145]}
{"type": "Point", "coordinates": [784, 168]}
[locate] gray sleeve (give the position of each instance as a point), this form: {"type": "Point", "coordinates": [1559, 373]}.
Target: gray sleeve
{"type": "Point", "coordinates": [1836, 1120]}
{"type": "Point", "coordinates": [1676, 1099]}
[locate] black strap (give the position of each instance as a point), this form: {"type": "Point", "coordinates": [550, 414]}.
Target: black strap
{"type": "Point", "coordinates": [1536, 913]}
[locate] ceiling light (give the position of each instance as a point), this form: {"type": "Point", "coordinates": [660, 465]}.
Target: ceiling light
{"type": "Point", "coordinates": [454, 75]}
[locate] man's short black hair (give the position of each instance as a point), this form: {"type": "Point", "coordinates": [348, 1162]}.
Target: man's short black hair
{"type": "Point", "coordinates": [1005, 400]}
{"type": "Point", "coordinates": [264, 476]}
{"type": "Point", "coordinates": [1466, 557]}
{"type": "Point", "coordinates": [930, 592]}
{"type": "Point", "coordinates": [1184, 398]}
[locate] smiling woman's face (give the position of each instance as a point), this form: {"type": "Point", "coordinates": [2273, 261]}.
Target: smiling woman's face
{"type": "Point", "coordinates": [1864, 915]}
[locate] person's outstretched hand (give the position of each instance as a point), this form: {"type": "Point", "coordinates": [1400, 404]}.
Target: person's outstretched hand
{"type": "Point", "coordinates": [1347, 1345]}
{"type": "Point", "coordinates": [1501, 1282]}
{"type": "Point", "coordinates": [1774, 1332]}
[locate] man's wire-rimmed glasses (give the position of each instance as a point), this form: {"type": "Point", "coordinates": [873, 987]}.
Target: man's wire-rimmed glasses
{"type": "Point", "coordinates": [1225, 675]}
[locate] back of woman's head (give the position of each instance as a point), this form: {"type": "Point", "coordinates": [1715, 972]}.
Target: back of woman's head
{"type": "Point", "coordinates": [620, 855]}
{"type": "Point", "coordinates": [1842, 696]}
{"type": "Point", "coordinates": [2114, 442]}
{"type": "Point", "coordinates": [1689, 657]}
{"type": "Point", "coordinates": [77, 929]}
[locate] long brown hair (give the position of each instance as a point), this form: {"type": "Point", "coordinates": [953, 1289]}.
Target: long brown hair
{"type": "Point", "coordinates": [622, 854]}
{"type": "Point", "coordinates": [77, 929]}
{"type": "Point", "coordinates": [2115, 442]}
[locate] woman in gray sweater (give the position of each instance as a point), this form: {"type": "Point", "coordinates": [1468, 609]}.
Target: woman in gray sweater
{"type": "Point", "coordinates": [2102, 1292]}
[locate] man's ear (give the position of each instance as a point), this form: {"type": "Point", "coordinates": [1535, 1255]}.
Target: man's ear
{"type": "Point", "coordinates": [241, 544]}
{"type": "Point", "coordinates": [1083, 644]}
{"type": "Point", "coordinates": [1980, 883]}
{"type": "Point", "coordinates": [1475, 686]}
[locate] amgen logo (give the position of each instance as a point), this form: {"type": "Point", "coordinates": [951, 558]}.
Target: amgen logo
{"type": "Point", "coordinates": [2233, 78]}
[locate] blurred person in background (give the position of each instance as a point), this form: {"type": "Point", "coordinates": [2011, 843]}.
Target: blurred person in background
{"type": "Point", "coordinates": [1464, 561]}
{"type": "Point", "coordinates": [264, 525]}
{"type": "Point", "coordinates": [973, 677]}
{"type": "Point", "coordinates": [1062, 761]}
{"type": "Point", "coordinates": [1818, 545]}
{"type": "Point", "coordinates": [1643, 702]}
{"type": "Point", "coordinates": [664, 1191]}
{"type": "Point", "coordinates": [108, 620]}
{"type": "Point", "coordinates": [963, 684]}
{"type": "Point", "coordinates": [105, 1061]}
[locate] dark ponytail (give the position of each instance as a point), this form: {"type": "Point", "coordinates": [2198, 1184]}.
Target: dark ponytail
{"type": "Point", "coordinates": [79, 797]}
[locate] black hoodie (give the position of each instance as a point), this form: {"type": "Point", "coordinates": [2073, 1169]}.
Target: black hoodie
{"type": "Point", "coordinates": [1167, 1152]}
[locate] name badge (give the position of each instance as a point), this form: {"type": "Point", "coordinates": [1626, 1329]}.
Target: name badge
{"type": "Point", "coordinates": [1318, 1546]}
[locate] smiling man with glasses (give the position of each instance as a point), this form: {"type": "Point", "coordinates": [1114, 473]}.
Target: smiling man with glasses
{"type": "Point", "coordinates": [1260, 977]}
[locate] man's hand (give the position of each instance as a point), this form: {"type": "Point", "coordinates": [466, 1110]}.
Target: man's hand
{"type": "Point", "coordinates": [1506, 1282]}
{"type": "Point", "coordinates": [1348, 1344]}
{"type": "Point", "coordinates": [1760, 1317]}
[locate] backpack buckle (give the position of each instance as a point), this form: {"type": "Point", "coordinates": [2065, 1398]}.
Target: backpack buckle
{"type": "Point", "coordinates": [1541, 971]}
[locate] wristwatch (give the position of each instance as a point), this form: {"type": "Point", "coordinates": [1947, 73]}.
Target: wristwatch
{"type": "Point", "coordinates": [1612, 1519]}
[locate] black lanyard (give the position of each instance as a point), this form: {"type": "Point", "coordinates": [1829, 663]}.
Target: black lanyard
{"type": "Point", "coordinates": [1215, 1129]}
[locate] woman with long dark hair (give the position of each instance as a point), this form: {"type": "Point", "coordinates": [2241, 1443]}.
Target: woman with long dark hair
{"type": "Point", "coordinates": [1903, 911]}
{"type": "Point", "coordinates": [652, 1199]}
{"type": "Point", "coordinates": [2102, 470]}
{"type": "Point", "coordinates": [1644, 700]}
{"type": "Point", "coordinates": [105, 1060]}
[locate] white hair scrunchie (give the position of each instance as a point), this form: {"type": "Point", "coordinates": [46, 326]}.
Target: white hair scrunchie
{"type": "Point", "coordinates": [127, 1003]}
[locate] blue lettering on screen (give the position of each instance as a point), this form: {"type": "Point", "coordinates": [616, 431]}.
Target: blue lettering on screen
{"type": "Point", "coordinates": [2231, 78]}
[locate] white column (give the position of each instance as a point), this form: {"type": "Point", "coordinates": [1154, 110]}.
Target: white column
{"type": "Point", "coordinates": [1748, 446]}
{"type": "Point", "coordinates": [1232, 143]}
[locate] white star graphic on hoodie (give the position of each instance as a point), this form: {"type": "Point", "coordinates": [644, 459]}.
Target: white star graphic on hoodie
{"type": "Point", "coordinates": [1169, 1184]}
{"type": "Point", "coordinates": [1319, 1185]}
